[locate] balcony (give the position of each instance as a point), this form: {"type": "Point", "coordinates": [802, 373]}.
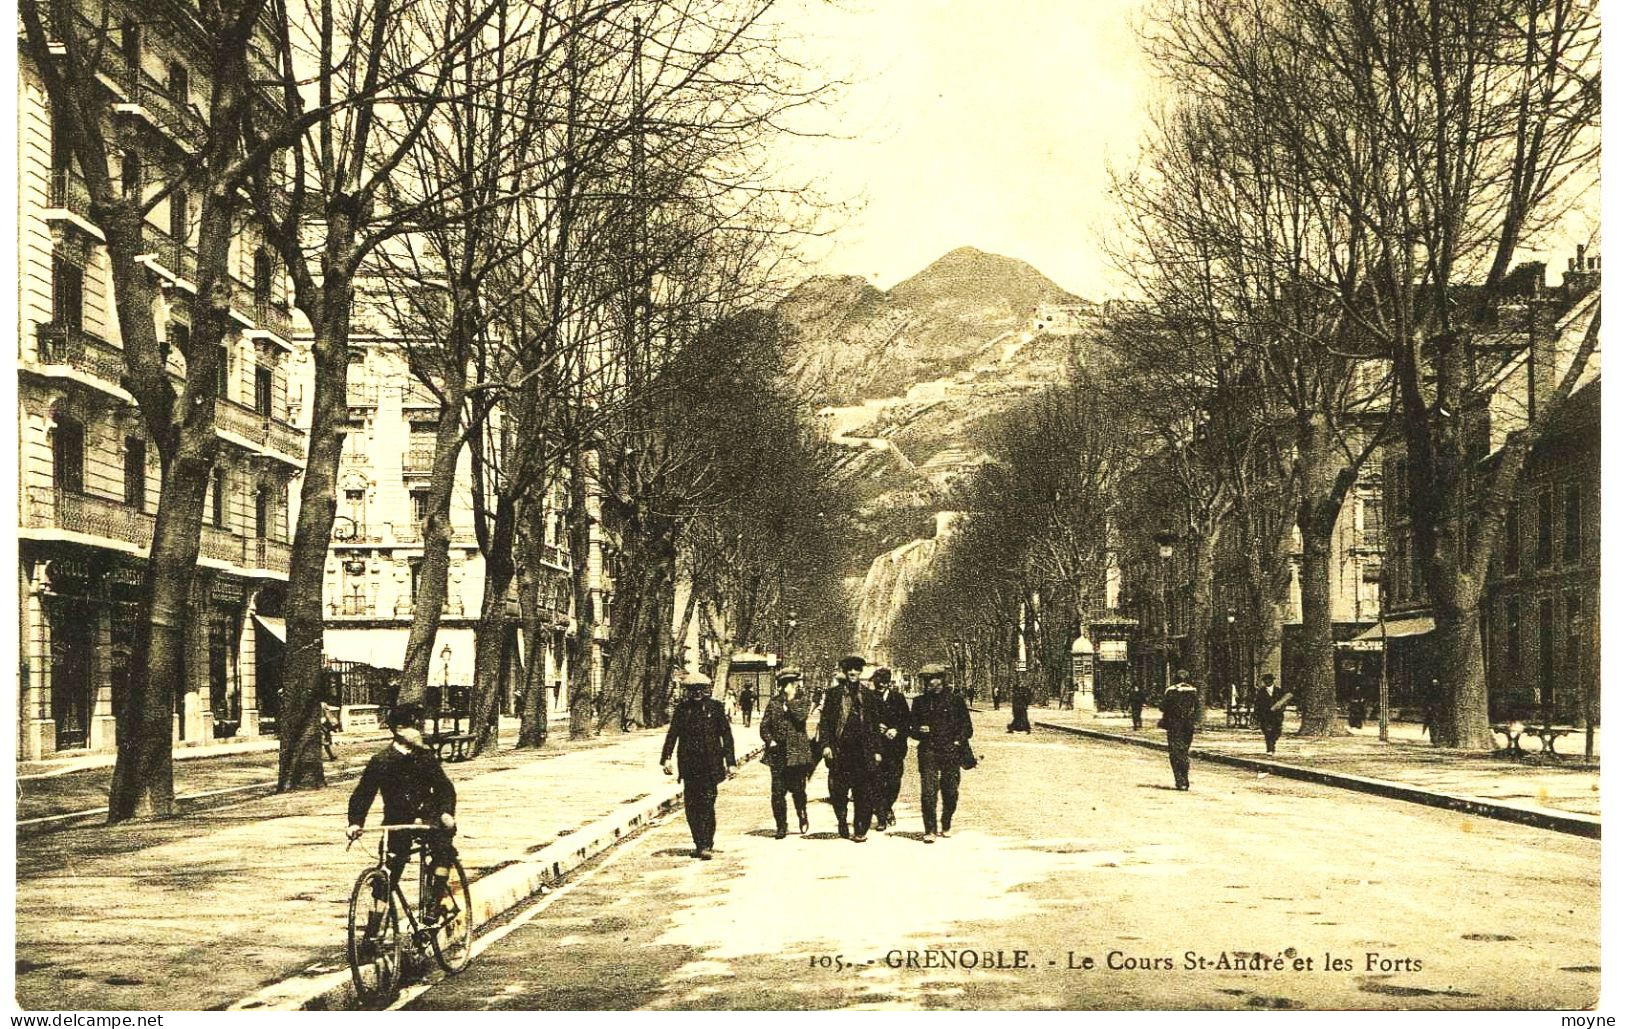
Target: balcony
{"type": "Point", "coordinates": [352, 606]}
{"type": "Point", "coordinates": [153, 102]}
{"type": "Point", "coordinates": [268, 554]}
{"type": "Point", "coordinates": [263, 431]}
{"type": "Point", "coordinates": [417, 461]}
{"type": "Point", "coordinates": [361, 394]}
{"type": "Point", "coordinates": [51, 507]}
{"type": "Point", "coordinates": [219, 544]}
{"type": "Point", "coordinates": [558, 557]}
{"type": "Point", "coordinates": [84, 352]}
{"type": "Point", "coordinates": [68, 192]}
{"type": "Point", "coordinates": [274, 317]}
{"type": "Point", "coordinates": [1368, 540]}
{"type": "Point", "coordinates": [172, 255]}
{"type": "Point", "coordinates": [414, 395]}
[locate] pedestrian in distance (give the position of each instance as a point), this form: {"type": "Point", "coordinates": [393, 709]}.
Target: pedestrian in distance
{"type": "Point", "coordinates": [1430, 711]}
{"type": "Point", "coordinates": [1136, 702]}
{"type": "Point", "coordinates": [1269, 707]}
{"type": "Point", "coordinates": [747, 702]}
{"type": "Point", "coordinates": [894, 731]}
{"type": "Point", "coordinates": [1357, 709]}
{"type": "Point", "coordinates": [1021, 696]}
{"type": "Point", "coordinates": [787, 750]}
{"type": "Point", "coordinates": [415, 789]}
{"type": "Point", "coordinates": [941, 723]}
{"type": "Point", "coordinates": [849, 738]}
{"type": "Point", "coordinates": [704, 744]}
{"type": "Point", "coordinates": [1180, 713]}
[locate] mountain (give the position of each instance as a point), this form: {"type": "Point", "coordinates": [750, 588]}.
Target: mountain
{"type": "Point", "coordinates": [858, 342]}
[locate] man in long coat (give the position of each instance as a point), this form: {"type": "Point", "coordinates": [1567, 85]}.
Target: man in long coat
{"type": "Point", "coordinates": [894, 729]}
{"type": "Point", "coordinates": [1180, 712]}
{"type": "Point", "coordinates": [941, 722]}
{"type": "Point", "coordinates": [849, 736]}
{"type": "Point", "coordinates": [704, 743]}
{"type": "Point", "coordinates": [1269, 707]}
{"type": "Point", "coordinates": [787, 750]}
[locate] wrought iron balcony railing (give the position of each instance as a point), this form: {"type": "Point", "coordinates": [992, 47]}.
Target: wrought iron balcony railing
{"type": "Point", "coordinates": [68, 192]}
{"type": "Point", "coordinates": [80, 350]}
{"type": "Point", "coordinates": [52, 507]}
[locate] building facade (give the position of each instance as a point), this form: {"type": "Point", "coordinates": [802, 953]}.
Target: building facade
{"type": "Point", "coordinates": [89, 478]}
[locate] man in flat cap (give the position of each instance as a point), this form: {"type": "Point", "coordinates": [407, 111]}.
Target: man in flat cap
{"type": "Point", "coordinates": [894, 729]}
{"type": "Point", "coordinates": [787, 750]}
{"type": "Point", "coordinates": [849, 736]}
{"type": "Point", "coordinates": [704, 743]}
{"type": "Point", "coordinates": [941, 722]}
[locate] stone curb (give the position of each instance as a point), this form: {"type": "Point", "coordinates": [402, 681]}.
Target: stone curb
{"type": "Point", "coordinates": [325, 988]}
{"type": "Point", "coordinates": [1541, 818]}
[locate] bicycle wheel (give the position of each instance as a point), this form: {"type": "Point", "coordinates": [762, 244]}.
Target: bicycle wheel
{"type": "Point", "coordinates": [453, 938]}
{"type": "Point", "coordinates": [375, 955]}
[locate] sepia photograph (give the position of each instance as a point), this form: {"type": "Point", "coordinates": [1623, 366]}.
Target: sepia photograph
{"type": "Point", "coordinates": [808, 505]}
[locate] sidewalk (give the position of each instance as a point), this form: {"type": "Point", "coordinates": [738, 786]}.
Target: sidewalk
{"type": "Point", "coordinates": [202, 911]}
{"type": "Point", "coordinates": [1405, 767]}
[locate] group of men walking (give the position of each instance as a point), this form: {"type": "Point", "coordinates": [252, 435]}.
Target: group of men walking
{"type": "Point", "coordinates": [861, 734]}
{"type": "Point", "coordinates": [1182, 713]}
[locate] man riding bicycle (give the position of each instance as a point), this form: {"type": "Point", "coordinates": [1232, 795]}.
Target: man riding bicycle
{"type": "Point", "coordinates": [415, 789]}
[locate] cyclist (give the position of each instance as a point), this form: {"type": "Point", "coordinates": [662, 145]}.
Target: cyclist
{"type": "Point", "coordinates": [415, 789]}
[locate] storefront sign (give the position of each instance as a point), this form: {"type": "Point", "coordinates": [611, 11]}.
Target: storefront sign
{"type": "Point", "coordinates": [1112, 650]}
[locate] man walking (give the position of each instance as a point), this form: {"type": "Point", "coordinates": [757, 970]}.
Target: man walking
{"type": "Point", "coordinates": [892, 710]}
{"type": "Point", "coordinates": [1136, 701]}
{"type": "Point", "coordinates": [1269, 707]}
{"type": "Point", "coordinates": [849, 736]}
{"type": "Point", "coordinates": [747, 702]}
{"type": "Point", "coordinates": [1021, 695]}
{"type": "Point", "coordinates": [942, 724]}
{"type": "Point", "coordinates": [787, 750]}
{"type": "Point", "coordinates": [1180, 713]}
{"type": "Point", "coordinates": [704, 743]}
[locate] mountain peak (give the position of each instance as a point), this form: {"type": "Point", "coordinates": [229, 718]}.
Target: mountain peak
{"type": "Point", "coordinates": [969, 275]}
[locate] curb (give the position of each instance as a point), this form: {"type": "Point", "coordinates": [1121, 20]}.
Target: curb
{"type": "Point", "coordinates": [1540, 818]}
{"type": "Point", "coordinates": [328, 987]}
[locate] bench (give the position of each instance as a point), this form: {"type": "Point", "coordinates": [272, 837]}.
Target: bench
{"type": "Point", "coordinates": [450, 746]}
{"type": "Point", "coordinates": [1548, 736]}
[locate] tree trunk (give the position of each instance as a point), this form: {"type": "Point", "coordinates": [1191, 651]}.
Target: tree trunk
{"type": "Point", "coordinates": [582, 721]}
{"type": "Point", "coordinates": [1316, 691]}
{"type": "Point", "coordinates": [490, 633]}
{"type": "Point", "coordinates": [533, 702]}
{"type": "Point", "coordinates": [430, 601]}
{"type": "Point", "coordinates": [1461, 715]}
{"type": "Point", "coordinates": [1202, 562]}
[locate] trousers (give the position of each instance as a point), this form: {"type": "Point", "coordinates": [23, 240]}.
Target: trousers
{"type": "Point", "coordinates": [938, 775]}
{"type": "Point", "coordinates": [891, 781]}
{"type": "Point", "coordinates": [1179, 755]}
{"type": "Point", "coordinates": [700, 805]}
{"type": "Point", "coordinates": [792, 780]}
{"type": "Point", "coordinates": [857, 785]}
{"type": "Point", "coordinates": [1272, 730]}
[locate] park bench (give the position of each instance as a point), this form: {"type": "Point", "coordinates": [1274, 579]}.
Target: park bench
{"type": "Point", "coordinates": [448, 705]}
{"type": "Point", "coordinates": [1547, 735]}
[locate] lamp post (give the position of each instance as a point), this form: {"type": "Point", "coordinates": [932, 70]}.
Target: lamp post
{"type": "Point", "coordinates": [445, 665]}
{"type": "Point", "coordinates": [1165, 553]}
{"type": "Point", "coordinates": [1230, 697]}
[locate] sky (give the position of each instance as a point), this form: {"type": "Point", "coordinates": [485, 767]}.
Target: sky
{"type": "Point", "coordinates": [987, 124]}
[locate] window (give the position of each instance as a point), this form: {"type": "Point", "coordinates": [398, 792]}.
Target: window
{"type": "Point", "coordinates": [416, 565]}
{"type": "Point", "coordinates": [180, 203]}
{"type": "Point", "coordinates": [130, 43]}
{"type": "Point", "coordinates": [1514, 640]}
{"type": "Point", "coordinates": [180, 83]}
{"type": "Point", "coordinates": [355, 507]}
{"type": "Point", "coordinates": [1573, 522]}
{"type": "Point", "coordinates": [1512, 541]}
{"type": "Point", "coordinates": [1543, 530]}
{"type": "Point", "coordinates": [180, 339]}
{"type": "Point", "coordinates": [68, 455]}
{"type": "Point", "coordinates": [1544, 655]}
{"type": "Point", "coordinates": [262, 275]}
{"type": "Point", "coordinates": [262, 390]}
{"type": "Point", "coordinates": [219, 511]}
{"type": "Point", "coordinates": [420, 506]}
{"type": "Point", "coordinates": [262, 512]}
{"type": "Point", "coordinates": [67, 294]}
{"type": "Point", "coordinates": [135, 472]}
{"type": "Point", "coordinates": [222, 371]}
{"type": "Point", "coordinates": [130, 173]}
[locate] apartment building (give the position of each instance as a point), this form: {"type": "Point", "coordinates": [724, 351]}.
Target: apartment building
{"type": "Point", "coordinates": [89, 478]}
{"type": "Point", "coordinates": [370, 588]}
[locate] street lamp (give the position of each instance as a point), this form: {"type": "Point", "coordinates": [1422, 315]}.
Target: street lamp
{"type": "Point", "coordinates": [1165, 550]}
{"type": "Point", "coordinates": [445, 665]}
{"type": "Point", "coordinates": [1230, 663]}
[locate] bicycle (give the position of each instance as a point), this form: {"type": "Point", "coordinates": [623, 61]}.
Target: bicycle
{"type": "Point", "coordinates": [379, 958]}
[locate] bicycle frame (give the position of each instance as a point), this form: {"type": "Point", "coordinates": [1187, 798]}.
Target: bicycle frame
{"type": "Point", "coordinates": [421, 848]}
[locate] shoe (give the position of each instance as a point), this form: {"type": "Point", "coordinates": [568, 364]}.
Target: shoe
{"type": "Point", "coordinates": [803, 825]}
{"type": "Point", "coordinates": [880, 825]}
{"type": "Point", "coordinates": [860, 837]}
{"type": "Point", "coordinates": [780, 833]}
{"type": "Point", "coordinates": [930, 837]}
{"type": "Point", "coordinates": [945, 832]}
{"type": "Point", "coordinates": [705, 855]}
{"type": "Point", "coordinates": [846, 833]}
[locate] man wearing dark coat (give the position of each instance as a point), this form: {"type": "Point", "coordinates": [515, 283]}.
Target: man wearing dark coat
{"type": "Point", "coordinates": [894, 730]}
{"type": "Point", "coordinates": [787, 750]}
{"type": "Point", "coordinates": [1136, 701]}
{"type": "Point", "coordinates": [1180, 707]}
{"type": "Point", "coordinates": [704, 743]}
{"type": "Point", "coordinates": [1020, 697]}
{"type": "Point", "coordinates": [849, 736]}
{"type": "Point", "coordinates": [1269, 707]}
{"type": "Point", "coordinates": [941, 722]}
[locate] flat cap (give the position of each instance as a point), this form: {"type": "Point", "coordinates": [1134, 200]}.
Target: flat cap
{"type": "Point", "coordinates": [936, 669]}
{"type": "Point", "coordinates": [788, 675]}
{"type": "Point", "coordinates": [693, 679]}
{"type": "Point", "coordinates": [881, 676]}
{"type": "Point", "coordinates": [852, 661]}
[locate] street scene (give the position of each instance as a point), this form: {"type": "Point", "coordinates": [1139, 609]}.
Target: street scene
{"type": "Point", "coordinates": [547, 505]}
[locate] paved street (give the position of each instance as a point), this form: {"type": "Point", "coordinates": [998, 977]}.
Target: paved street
{"type": "Point", "coordinates": [1079, 854]}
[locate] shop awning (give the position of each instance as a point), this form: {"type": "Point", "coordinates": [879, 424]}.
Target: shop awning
{"type": "Point", "coordinates": [380, 648]}
{"type": "Point", "coordinates": [1416, 625]}
{"type": "Point", "coordinates": [275, 626]}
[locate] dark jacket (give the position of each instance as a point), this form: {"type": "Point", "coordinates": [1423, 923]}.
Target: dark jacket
{"type": "Point", "coordinates": [784, 731]}
{"type": "Point", "coordinates": [941, 722]}
{"type": "Point", "coordinates": [414, 786]}
{"type": "Point", "coordinates": [850, 728]}
{"type": "Point", "coordinates": [705, 745]}
{"type": "Point", "coordinates": [1179, 708]}
{"type": "Point", "coordinates": [1264, 701]}
{"type": "Point", "coordinates": [894, 714]}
